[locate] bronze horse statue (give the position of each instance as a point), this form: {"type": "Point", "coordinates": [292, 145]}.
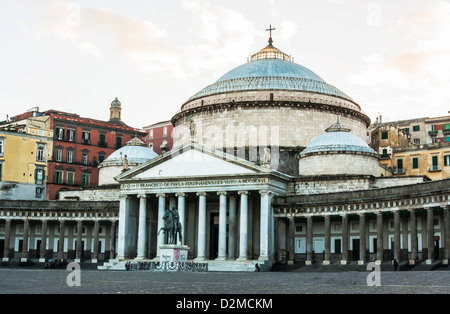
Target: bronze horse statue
{"type": "Point", "coordinates": [172, 226]}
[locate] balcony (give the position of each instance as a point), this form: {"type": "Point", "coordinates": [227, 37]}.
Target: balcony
{"type": "Point", "coordinates": [434, 168]}
{"type": "Point", "coordinates": [433, 133]}
{"type": "Point", "coordinates": [399, 170]}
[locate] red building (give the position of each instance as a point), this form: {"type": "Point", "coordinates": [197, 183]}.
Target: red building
{"type": "Point", "coordinates": [159, 136]}
{"type": "Point", "coordinates": [80, 145]}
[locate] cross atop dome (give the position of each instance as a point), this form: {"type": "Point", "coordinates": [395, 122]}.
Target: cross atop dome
{"type": "Point", "coordinates": [270, 29]}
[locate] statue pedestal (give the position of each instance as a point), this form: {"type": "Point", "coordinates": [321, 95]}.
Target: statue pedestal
{"type": "Point", "coordinates": [174, 253]}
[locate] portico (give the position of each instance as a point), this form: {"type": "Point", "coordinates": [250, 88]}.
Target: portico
{"type": "Point", "coordinates": [224, 205]}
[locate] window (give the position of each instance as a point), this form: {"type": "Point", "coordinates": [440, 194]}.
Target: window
{"type": "Point", "coordinates": [85, 178]}
{"type": "Point", "coordinates": [298, 228]}
{"type": "Point", "coordinates": [58, 176]}
{"type": "Point", "coordinates": [165, 131]}
{"type": "Point", "coordinates": [151, 134]}
{"type": "Point", "coordinates": [384, 135]}
{"type": "Point", "coordinates": [70, 156]}
{"type": "Point", "coordinates": [86, 137]}
{"type": "Point", "coordinates": [1, 170]}
{"type": "Point", "coordinates": [39, 191]}
{"type": "Point", "coordinates": [70, 135]}
{"type": "Point", "coordinates": [102, 140]}
{"type": "Point", "coordinates": [2, 145]}
{"type": "Point", "coordinates": [59, 152]}
{"type": "Point", "coordinates": [118, 141]}
{"type": "Point", "coordinates": [70, 177]}
{"type": "Point", "coordinates": [40, 156]}
{"type": "Point", "coordinates": [446, 160]}
{"type": "Point", "coordinates": [417, 141]}
{"type": "Point", "coordinates": [416, 128]}
{"type": "Point", "coordinates": [415, 162]}
{"type": "Point", "coordinates": [39, 176]}
{"type": "Point", "coordinates": [406, 130]}
{"type": "Point", "coordinates": [101, 157]}
{"type": "Point", "coordinates": [60, 133]}
{"type": "Point", "coordinates": [85, 157]}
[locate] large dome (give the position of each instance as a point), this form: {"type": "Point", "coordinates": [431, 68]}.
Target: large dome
{"type": "Point", "coordinates": [270, 69]}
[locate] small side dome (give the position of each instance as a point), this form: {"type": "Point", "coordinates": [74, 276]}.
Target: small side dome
{"type": "Point", "coordinates": [338, 152]}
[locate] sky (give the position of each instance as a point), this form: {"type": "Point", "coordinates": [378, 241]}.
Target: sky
{"type": "Point", "coordinates": [391, 57]}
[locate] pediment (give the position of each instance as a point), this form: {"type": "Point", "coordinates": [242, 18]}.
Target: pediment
{"type": "Point", "coordinates": [191, 160]}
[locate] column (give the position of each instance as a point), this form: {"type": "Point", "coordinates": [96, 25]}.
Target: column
{"type": "Point", "coordinates": [201, 234]}
{"type": "Point", "coordinates": [446, 235]}
{"type": "Point", "coordinates": [414, 242]}
{"type": "Point", "coordinates": [79, 241]}
{"type": "Point", "coordinates": [123, 226]}
{"type": "Point", "coordinates": [142, 234]}
{"type": "Point", "coordinates": [112, 240]}
{"type": "Point", "coordinates": [232, 228]}
{"type": "Point", "coordinates": [309, 240]}
{"type": "Point", "coordinates": [95, 248]}
{"type": "Point", "coordinates": [344, 258]}
{"type": "Point", "coordinates": [7, 240]}
{"type": "Point", "coordinates": [397, 235]}
{"type": "Point", "coordinates": [243, 226]}
{"type": "Point", "coordinates": [222, 225]}
{"type": "Point", "coordinates": [43, 241]}
{"type": "Point", "coordinates": [26, 231]}
{"type": "Point", "coordinates": [61, 240]}
{"type": "Point", "coordinates": [362, 239]}
{"type": "Point", "coordinates": [379, 237]}
{"type": "Point", "coordinates": [264, 226]}
{"type": "Point", "coordinates": [430, 236]}
{"type": "Point", "coordinates": [327, 241]}
{"type": "Point", "coordinates": [291, 242]}
{"type": "Point", "coordinates": [182, 212]}
{"type": "Point", "coordinates": [161, 209]}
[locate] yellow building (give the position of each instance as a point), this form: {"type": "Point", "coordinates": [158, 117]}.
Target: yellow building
{"type": "Point", "coordinates": [430, 160]}
{"type": "Point", "coordinates": [24, 153]}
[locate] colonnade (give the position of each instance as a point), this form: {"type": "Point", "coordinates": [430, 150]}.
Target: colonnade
{"type": "Point", "coordinates": [363, 235]}
{"type": "Point", "coordinates": [45, 235]}
{"type": "Point", "coordinates": [231, 203]}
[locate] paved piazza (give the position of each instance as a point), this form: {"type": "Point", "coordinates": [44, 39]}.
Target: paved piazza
{"type": "Point", "coordinates": [39, 281]}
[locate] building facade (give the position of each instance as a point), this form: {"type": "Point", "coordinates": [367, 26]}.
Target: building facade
{"type": "Point", "coordinates": [24, 157]}
{"type": "Point", "coordinates": [159, 136]}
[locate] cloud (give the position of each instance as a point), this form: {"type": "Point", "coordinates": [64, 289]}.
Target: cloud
{"type": "Point", "coordinates": [417, 76]}
{"type": "Point", "coordinates": [90, 48]}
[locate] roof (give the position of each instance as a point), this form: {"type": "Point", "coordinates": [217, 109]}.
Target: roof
{"type": "Point", "coordinates": [337, 139]}
{"type": "Point", "coordinates": [135, 151]}
{"type": "Point", "coordinates": [270, 69]}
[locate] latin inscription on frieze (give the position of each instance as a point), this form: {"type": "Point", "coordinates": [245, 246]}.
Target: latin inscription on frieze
{"type": "Point", "coordinates": [169, 184]}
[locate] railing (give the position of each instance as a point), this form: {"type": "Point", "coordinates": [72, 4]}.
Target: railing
{"type": "Point", "coordinates": [434, 168]}
{"type": "Point", "coordinates": [169, 266]}
{"type": "Point", "coordinates": [399, 171]}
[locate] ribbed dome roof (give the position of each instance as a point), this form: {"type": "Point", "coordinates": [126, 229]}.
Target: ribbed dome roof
{"type": "Point", "coordinates": [337, 139]}
{"type": "Point", "coordinates": [270, 69]}
{"type": "Point", "coordinates": [136, 152]}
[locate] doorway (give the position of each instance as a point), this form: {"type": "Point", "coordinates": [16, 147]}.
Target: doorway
{"type": "Point", "coordinates": [214, 236]}
{"type": "Point", "coordinates": [355, 249]}
{"type": "Point", "coordinates": [436, 247]}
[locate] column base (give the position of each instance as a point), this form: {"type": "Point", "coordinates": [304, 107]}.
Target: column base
{"type": "Point", "coordinates": [429, 261]}
{"type": "Point", "coordinates": [24, 260]}
{"type": "Point", "coordinates": [77, 260]}
{"type": "Point", "coordinates": [378, 262]}
{"type": "Point", "coordinates": [94, 261]}
{"type": "Point", "coordinates": [290, 262]}
{"type": "Point", "coordinates": [42, 260]}
{"type": "Point", "coordinates": [242, 259]}
{"type": "Point", "coordinates": [445, 262]}
{"type": "Point", "coordinates": [5, 259]}
{"type": "Point", "coordinates": [360, 262]}
{"type": "Point", "coordinates": [326, 263]}
{"type": "Point", "coordinates": [308, 263]}
{"type": "Point", "coordinates": [221, 258]}
{"type": "Point", "coordinates": [200, 259]}
{"type": "Point", "coordinates": [344, 262]}
{"type": "Point", "coordinates": [412, 262]}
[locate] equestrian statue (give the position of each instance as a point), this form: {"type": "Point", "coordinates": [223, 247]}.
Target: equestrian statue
{"type": "Point", "coordinates": [172, 226]}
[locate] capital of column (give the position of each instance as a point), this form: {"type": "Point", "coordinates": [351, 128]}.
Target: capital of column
{"type": "Point", "coordinates": [123, 196]}
{"type": "Point", "coordinates": [243, 192]}
{"type": "Point", "coordinates": [178, 194]}
{"type": "Point", "coordinates": [142, 195]}
{"type": "Point", "coordinates": [201, 193]}
{"type": "Point", "coordinates": [264, 191]}
{"type": "Point", "coordinates": [161, 195]}
{"type": "Point", "coordinates": [222, 193]}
